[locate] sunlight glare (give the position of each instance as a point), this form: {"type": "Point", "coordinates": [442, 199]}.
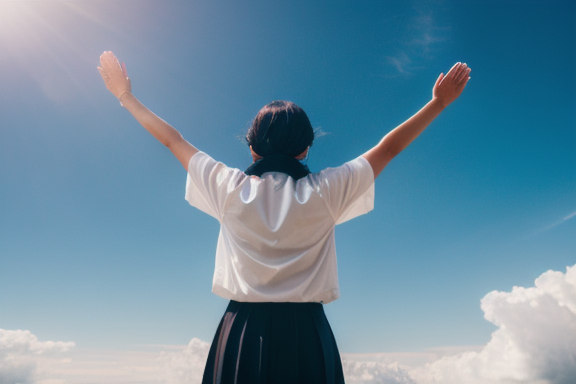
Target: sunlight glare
{"type": "Point", "coordinates": [40, 31]}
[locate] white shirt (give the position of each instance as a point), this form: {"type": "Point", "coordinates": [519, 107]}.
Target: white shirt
{"type": "Point", "coordinates": [276, 241]}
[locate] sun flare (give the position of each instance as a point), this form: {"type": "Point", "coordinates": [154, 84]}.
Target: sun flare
{"type": "Point", "coordinates": [34, 32]}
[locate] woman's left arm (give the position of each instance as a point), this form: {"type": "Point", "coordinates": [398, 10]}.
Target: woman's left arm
{"type": "Point", "coordinates": [445, 91]}
{"type": "Point", "coordinates": [119, 85]}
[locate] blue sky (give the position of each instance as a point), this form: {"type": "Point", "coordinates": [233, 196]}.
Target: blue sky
{"type": "Point", "coordinates": [99, 247]}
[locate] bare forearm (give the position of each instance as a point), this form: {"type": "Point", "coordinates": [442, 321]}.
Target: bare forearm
{"type": "Point", "coordinates": [400, 137]}
{"type": "Point", "coordinates": [160, 129]}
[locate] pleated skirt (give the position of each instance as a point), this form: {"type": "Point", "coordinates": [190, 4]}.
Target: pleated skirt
{"type": "Point", "coordinates": [273, 343]}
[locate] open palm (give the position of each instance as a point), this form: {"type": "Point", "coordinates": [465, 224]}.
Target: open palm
{"type": "Point", "coordinates": [114, 74]}
{"type": "Point", "coordinates": [449, 87]}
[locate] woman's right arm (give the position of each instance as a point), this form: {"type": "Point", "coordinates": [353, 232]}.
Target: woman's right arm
{"type": "Point", "coordinates": [119, 85]}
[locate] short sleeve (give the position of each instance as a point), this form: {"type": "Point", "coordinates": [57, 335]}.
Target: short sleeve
{"type": "Point", "coordinates": [349, 189]}
{"type": "Point", "coordinates": [209, 182]}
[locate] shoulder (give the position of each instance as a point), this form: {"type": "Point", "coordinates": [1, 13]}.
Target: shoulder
{"type": "Point", "coordinates": [358, 167]}
{"type": "Point", "coordinates": [348, 190]}
{"type": "Point", "coordinates": [201, 160]}
{"type": "Point", "coordinates": [203, 167]}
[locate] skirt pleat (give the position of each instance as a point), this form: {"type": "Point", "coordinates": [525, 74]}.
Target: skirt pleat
{"type": "Point", "coordinates": [273, 343]}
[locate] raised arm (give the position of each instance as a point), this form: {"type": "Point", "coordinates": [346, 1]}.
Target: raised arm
{"type": "Point", "coordinates": [445, 91]}
{"type": "Point", "coordinates": [118, 83]}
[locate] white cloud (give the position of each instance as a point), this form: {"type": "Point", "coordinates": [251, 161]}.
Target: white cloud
{"type": "Point", "coordinates": [401, 62]}
{"type": "Point", "coordinates": [375, 372]}
{"type": "Point", "coordinates": [186, 366]}
{"type": "Point", "coordinates": [421, 37]}
{"type": "Point", "coordinates": [136, 365]}
{"type": "Point", "coordinates": [19, 353]}
{"type": "Point", "coordinates": [393, 367]}
{"type": "Point", "coordinates": [427, 33]}
{"type": "Point", "coordinates": [534, 343]}
{"type": "Point", "coordinates": [556, 223]}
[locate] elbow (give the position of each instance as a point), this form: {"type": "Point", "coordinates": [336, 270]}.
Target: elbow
{"type": "Point", "coordinates": [379, 159]}
{"type": "Point", "coordinates": [391, 152]}
{"type": "Point", "coordinates": [172, 140]}
{"type": "Point", "coordinates": [390, 147]}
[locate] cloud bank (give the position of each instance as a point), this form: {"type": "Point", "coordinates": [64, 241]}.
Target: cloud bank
{"type": "Point", "coordinates": [374, 371]}
{"type": "Point", "coordinates": [186, 366]}
{"type": "Point", "coordinates": [534, 344]}
{"type": "Point", "coordinates": [19, 353]}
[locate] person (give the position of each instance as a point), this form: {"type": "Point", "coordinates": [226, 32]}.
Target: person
{"type": "Point", "coordinates": [276, 257]}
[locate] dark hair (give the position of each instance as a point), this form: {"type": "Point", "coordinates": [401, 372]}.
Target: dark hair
{"type": "Point", "coordinates": [280, 127]}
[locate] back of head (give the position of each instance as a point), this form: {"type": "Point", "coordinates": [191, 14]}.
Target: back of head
{"type": "Point", "coordinates": [280, 127]}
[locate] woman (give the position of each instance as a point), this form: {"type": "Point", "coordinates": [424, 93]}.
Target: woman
{"type": "Point", "coordinates": [276, 258]}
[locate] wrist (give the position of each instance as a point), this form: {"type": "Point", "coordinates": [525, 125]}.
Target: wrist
{"type": "Point", "coordinates": [438, 103]}
{"type": "Point", "coordinates": [123, 94]}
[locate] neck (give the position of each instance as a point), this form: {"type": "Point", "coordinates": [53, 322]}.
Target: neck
{"type": "Point", "coordinates": [278, 163]}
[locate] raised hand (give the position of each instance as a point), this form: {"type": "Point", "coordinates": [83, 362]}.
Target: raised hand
{"type": "Point", "coordinates": [114, 75]}
{"type": "Point", "coordinates": [118, 83]}
{"type": "Point", "coordinates": [449, 87]}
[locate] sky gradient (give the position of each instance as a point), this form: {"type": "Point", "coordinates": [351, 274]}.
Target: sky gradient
{"type": "Point", "coordinates": [98, 246]}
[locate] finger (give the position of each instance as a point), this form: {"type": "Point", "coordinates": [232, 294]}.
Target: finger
{"type": "Point", "coordinates": [459, 75]}
{"type": "Point", "coordinates": [453, 70]}
{"type": "Point", "coordinates": [110, 59]}
{"type": "Point", "coordinates": [123, 66]}
{"type": "Point", "coordinates": [464, 76]}
{"type": "Point", "coordinates": [439, 80]}
{"type": "Point", "coordinates": [117, 62]}
{"type": "Point", "coordinates": [464, 72]}
{"type": "Point", "coordinates": [103, 74]}
{"type": "Point", "coordinates": [455, 67]}
{"type": "Point", "coordinates": [105, 55]}
{"type": "Point", "coordinates": [462, 84]}
{"type": "Point", "coordinates": [104, 60]}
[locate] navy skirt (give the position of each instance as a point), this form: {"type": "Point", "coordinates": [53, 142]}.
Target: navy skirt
{"type": "Point", "coordinates": [273, 343]}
